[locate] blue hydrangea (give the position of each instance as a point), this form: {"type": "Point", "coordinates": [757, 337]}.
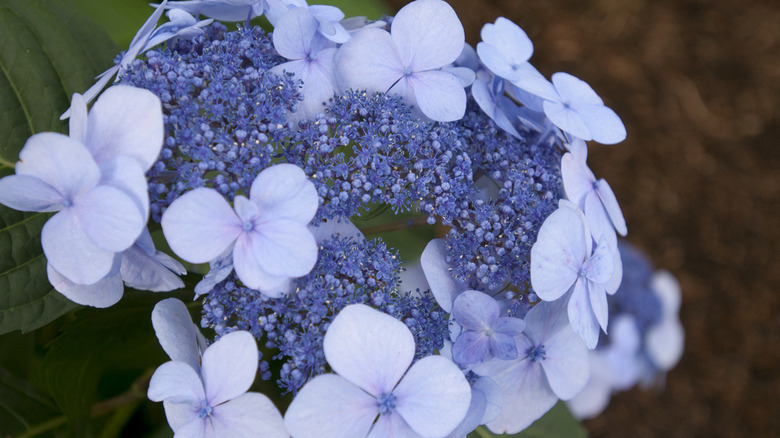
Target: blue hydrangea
{"type": "Point", "coordinates": [635, 295]}
{"type": "Point", "coordinates": [293, 327]}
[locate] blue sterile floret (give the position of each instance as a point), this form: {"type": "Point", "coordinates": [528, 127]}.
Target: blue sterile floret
{"type": "Point", "coordinates": [293, 326]}
{"type": "Point", "coordinates": [635, 295]}
{"type": "Point", "coordinates": [223, 111]}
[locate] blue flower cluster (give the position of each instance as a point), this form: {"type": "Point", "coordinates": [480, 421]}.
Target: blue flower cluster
{"type": "Point", "coordinates": [224, 112]}
{"type": "Point", "coordinates": [636, 296]}
{"type": "Point", "coordinates": [347, 272]}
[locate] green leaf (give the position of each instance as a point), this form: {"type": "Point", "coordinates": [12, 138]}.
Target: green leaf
{"type": "Point", "coordinates": [103, 343]}
{"type": "Point", "coordinates": [21, 405]}
{"type": "Point", "coordinates": [47, 52]}
{"type": "Point", "coordinates": [558, 422]}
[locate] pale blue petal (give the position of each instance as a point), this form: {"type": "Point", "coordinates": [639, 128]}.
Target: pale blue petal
{"type": "Point", "coordinates": [437, 272]}
{"type": "Point", "coordinates": [176, 382]}
{"type": "Point", "coordinates": [599, 267]}
{"type": "Point", "coordinates": [488, 103]}
{"type": "Point", "coordinates": [392, 425]}
{"type": "Point", "coordinates": [509, 326]}
{"type": "Point", "coordinates": [578, 148]}
{"type": "Point", "coordinates": [558, 254]}
{"type": "Point", "coordinates": [200, 225]}
{"type": "Point", "coordinates": [59, 161]}
{"type": "Point", "coordinates": [71, 252]}
{"type": "Point", "coordinates": [104, 293]}
{"type": "Point", "coordinates": [439, 95]}
{"type": "Point", "coordinates": [667, 289]}
{"type": "Point", "coordinates": [248, 416]}
{"type": "Point", "coordinates": [154, 272]}
{"type": "Point", "coordinates": [578, 179]}
{"type": "Point", "coordinates": [465, 75]}
{"type": "Point", "coordinates": [566, 362]}
{"type": "Point", "coordinates": [126, 174]}
{"type": "Point", "coordinates": [220, 268]}
{"type": "Point", "coordinates": [275, 9]}
{"type": "Point", "coordinates": [428, 35]}
{"type": "Point", "coordinates": [294, 32]}
{"type": "Point", "coordinates": [493, 397]}
{"type": "Point", "coordinates": [545, 320]}
{"type": "Point", "coordinates": [126, 121]}
{"type": "Point", "coordinates": [594, 398]}
{"type": "Point", "coordinates": [503, 346]}
{"type": "Point", "coordinates": [229, 366]}
{"type": "Point", "coordinates": [473, 417]}
{"type": "Point", "coordinates": [281, 247]}
{"type": "Point", "coordinates": [470, 348]}
{"type": "Point", "coordinates": [613, 284]}
{"type": "Point", "coordinates": [77, 128]}
{"type": "Point", "coordinates": [148, 26]}
{"type": "Point", "coordinates": [176, 332]}
{"type": "Point", "coordinates": [510, 40]}
{"type": "Point", "coordinates": [607, 197]}
{"type": "Point", "coordinates": [433, 397]}
{"type": "Point", "coordinates": [104, 79]}
{"type": "Point", "coordinates": [283, 191]}
{"type": "Point", "coordinates": [109, 217]}
{"type": "Point", "coordinates": [369, 348]}
{"type": "Point", "coordinates": [475, 310]}
{"type": "Point", "coordinates": [330, 406]}
{"type": "Point", "coordinates": [319, 84]}
{"type": "Point", "coordinates": [343, 228]}
{"type": "Point", "coordinates": [527, 397]}
{"type": "Point", "coordinates": [574, 90]}
{"type": "Point", "coordinates": [665, 341]}
{"type": "Point", "coordinates": [28, 193]}
{"type": "Point", "coordinates": [327, 12]}
{"type": "Point", "coordinates": [598, 302]}
{"type": "Point", "coordinates": [332, 30]}
{"type": "Point", "coordinates": [567, 119]}
{"type": "Point", "coordinates": [581, 315]}
{"type": "Point", "coordinates": [234, 10]}
{"type": "Point", "coordinates": [248, 266]}
{"type": "Point", "coordinates": [179, 414]}
{"type": "Point", "coordinates": [368, 61]}
{"type": "Point", "coordinates": [528, 78]}
{"type": "Point", "coordinates": [603, 123]}
{"type": "Point", "coordinates": [197, 428]}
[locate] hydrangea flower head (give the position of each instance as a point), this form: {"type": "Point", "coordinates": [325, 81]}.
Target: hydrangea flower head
{"type": "Point", "coordinates": [376, 393]}
{"type": "Point", "coordinates": [594, 197]}
{"type": "Point", "coordinates": [268, 231]}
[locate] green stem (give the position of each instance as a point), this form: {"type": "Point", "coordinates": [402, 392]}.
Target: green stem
{"type": "Point", "coordinates": [137, 392]}
{"type": "Point", "coordinates": [403, 224]}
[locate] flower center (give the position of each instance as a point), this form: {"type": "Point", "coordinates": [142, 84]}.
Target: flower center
{"type": "Point", "coordinates": [248, 226]}
{"type": "Point", "coordinates": [407, 71]}
{"type": "Point", "coordinates": [66, 203]}
{"type": "Point", "coordinates": [205, 410]}
{"type": "Point", "coordinates": [537, 353]}
{"type": "Point", "coordinates": [386, 403]}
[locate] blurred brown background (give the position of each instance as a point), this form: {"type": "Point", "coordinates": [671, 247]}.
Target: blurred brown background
{"type": "Point", "coordinates": [697, 84]}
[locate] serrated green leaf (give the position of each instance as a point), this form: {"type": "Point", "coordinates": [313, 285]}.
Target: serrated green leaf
{"type": "Point", "coordinates": [118, 338]}
{"type": "Point", "coordinates": [47, 52]}
{"type": "Point", "coordinates": [558, 422]}
{"type": "Point", "coordinates": [21, 405]}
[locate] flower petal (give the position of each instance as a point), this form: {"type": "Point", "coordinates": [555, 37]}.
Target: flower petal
{"type": "Point", "coordinates": [249, 268]}
{"type": "Point", "coordinates": [392, 425]}
{"type": "Point", "coordinates": [368, 61]}
{"type": "Point", "coordinates": [127, 175]}
{"type": "Point", "coordinates": [567, 119]}
{"type": "Point", "coordinates": [558, 254]}
{"type": "Point", "coordinates": [200, 225]}
{"type": "Point", "coordinates": [598, 302]}
{"type": "Point", "coordinates": [437, 271]}
{"type": "Point", "coordinates": [294, 32]}
{"type": "Point", "coordinates": [578, 179]}
{"type": "Point", "coordinates": [439, 95]}
{"type": "Point", "coordinates": [433, 397]}
{"type": "Point", "coordinates": [284, 191]}
{"type": "Point", "coordinates": [607, 197]}
{"type": "Point", "coordinates": [126, 121]}
{"type": "Point", "coordinates": [177, 334]}
{"type": "Point", "coordinates": [581, 315]}
{"type": "Point", "coordinates": [566, 362]}
{"type": "Point", "coordinates": [104, 293]}
{"type": "Point", "coordinates": [329, 405]}
{"type": "Point", "coordinates": [71, 252]}
{"type": "Point", "coordinates": [229, 366]}
{"type": "Point", "coordinates": [179, 414]}
{"type": "Point", "coordinates": [110, 217]}
{"type": "Point", "coordinates": [475, 310]}
{"type": "Point", "coordinates": [77, 126]}
{"type": "Point", "coordinates": [282, 248]}
{"type": "Point", "coordinates": [428, 35]}
{"type": "Point", "coordinates": [575, 90]}
{"type": "Point", "coordinates": [470, 348]}
{"type": "Point", "coordinates": [248, 416]}
{"type": "Point", "coordinates": [28, 193]}
{"type": "Point", "coordinates": [369, 348]}
{"type": "Point", "coordinates": [603, 123]}
{"type": "Point", "coordinates": [502, 346]}
{"type": "Point", "coordinates": [143, 272]}
{"type": "Point", "coordinates": [176, 382]}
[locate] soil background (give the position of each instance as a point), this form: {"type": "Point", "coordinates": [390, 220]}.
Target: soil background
{"type": "Point", "coordinates": [697, 84]}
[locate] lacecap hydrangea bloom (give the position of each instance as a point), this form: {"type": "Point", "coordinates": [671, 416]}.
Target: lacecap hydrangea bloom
{"type": "Point", "coordinates": [257, 157]}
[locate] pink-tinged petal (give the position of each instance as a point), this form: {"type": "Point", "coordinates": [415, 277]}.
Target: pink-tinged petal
{"type": "Point", "coordinates": [28, 193]}
{"type": "Point", "coordinates": [78, 118]}
{"type": "Point", "coordinates": [200, 225]}
{"type": "Point", "coordinates": [581, 315]}
{"type": "Point", "coordinates": [475, 310]}
{"type": "Point", "coordinates": [609, 200]}
{"type": "Point", "coordinates": [177, 334]}
{"type": "Point", "coordinates": [283, 191]}
{"type": "Point", "coordinates": [248, 416]}
{"type": "Point", "coordinates": [126, 121]}
{"type": "Point", "coordinates": [368, 61]}
{"type": "Point", "coordinates": [176, 382]}
{"type": "Point", "coordinates": [599, 267]}
{"type": "Point", "coordinates": [294, 32]}
{"type": "Point", "coordinates": [71, 252]}
{"type": "Point", "coordinates": [575, 90]}
{"type": "Point", "coordinates": [577, 178]}
{"type": "Point", "coordinates": [179, 414]}
{"type": "Point", "coordinates": [283, 248]}
{"type": "Point", "coordinates": [330, 406]}
{"type": "Point", "coordinates": [439, 95]}
{"type": "Point", "coordinates": [567, 119]}
{"type": "Point", "coordinates": [59, 161]}
{"type": "Point", "coordinates": [392, 425]}
{"type": "Point", "coordinates": [369, 348]}
{"type": "Point", "coordinates": [433, 397]}
{"type": "Point", "coordinates": [428, 35]}
{"type": "Point", "coordinates": [598, 302]}
{"type": "Point", "coordinates": [470, 347]}
{"type": "Point", "coordinates": [558, 254]}
{"type": "Point", "coordinates": [229, 366]}
{"type": "Point", "coordinates": [110, 217]}
{"type": "Point", "coordinates": [603, 123]}
{"type": "Point", "coordinates": [566, 362]}
{"type": "Point", "coordinates": [527, 397]}
{"type": "Point", "coordinates": [126, 174]}
{"type": "Point", "coordinates": [104, 293]}
{"type": "Point", "coordinates": [437, 272]}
